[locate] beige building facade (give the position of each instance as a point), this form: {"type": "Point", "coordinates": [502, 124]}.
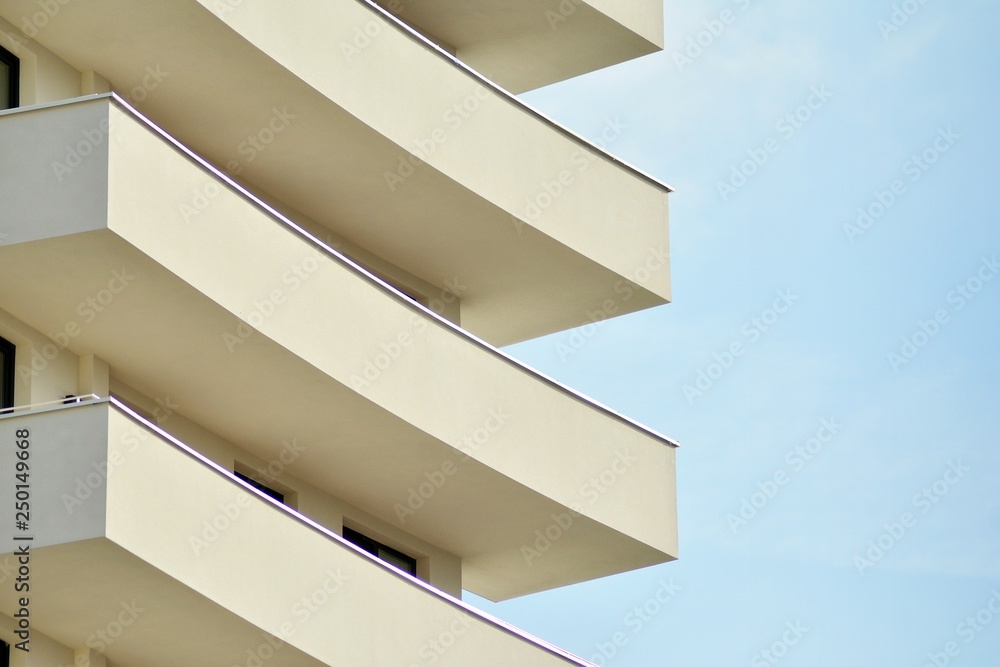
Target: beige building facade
{"type": "Point", "coordinates": [257, 260]}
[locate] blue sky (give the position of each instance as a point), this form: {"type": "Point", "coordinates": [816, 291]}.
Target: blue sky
{"type": "Point", "coordinates": [884, 360]}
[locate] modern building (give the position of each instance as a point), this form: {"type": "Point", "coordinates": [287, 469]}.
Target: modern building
{"type": "Point", "coordinates": [256, 261]}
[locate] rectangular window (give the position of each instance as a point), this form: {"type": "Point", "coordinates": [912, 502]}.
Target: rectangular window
{"type": "Point", "coordinates": [277, 495]}
{"type": "Point", "coordinates": [405, 563]}
{"type": "Point", "coordinates": [6, 374]}
{"type": "Point", "coordinates": [10, 76]}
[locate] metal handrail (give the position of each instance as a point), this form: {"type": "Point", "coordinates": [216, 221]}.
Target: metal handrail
{"type": "Point", "coordinates": [31, 407]}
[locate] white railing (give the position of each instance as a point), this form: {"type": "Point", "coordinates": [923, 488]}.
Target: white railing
{"type": "Point", "coordinates": [33, 407]}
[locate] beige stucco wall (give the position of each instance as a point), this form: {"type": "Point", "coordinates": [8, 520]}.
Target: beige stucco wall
{"type": "Point", "coordinates": [45, 651]}
{"type": "Point", "coordinates": [45, 370]}
{"type": "Point", "coordinates": [44, 76]}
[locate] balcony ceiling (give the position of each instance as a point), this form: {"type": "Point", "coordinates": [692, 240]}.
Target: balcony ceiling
{"type": "Point", "coordinates": [526, 44]}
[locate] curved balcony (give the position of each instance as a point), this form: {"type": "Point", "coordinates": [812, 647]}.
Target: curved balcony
{"type": "Point", "coordinates": [263, 333]}
{"type": "Point", "coordinates": [146, 551]}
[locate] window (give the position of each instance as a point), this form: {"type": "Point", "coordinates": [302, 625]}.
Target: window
{"type": "Point", "coordinates": [381, 551]}
{"type": "Point", "coordinates": [10, 70]}
{"type": "Point", "coordinates": [6, 374]}
{"type": "Point", "coordinates": [277, 495]}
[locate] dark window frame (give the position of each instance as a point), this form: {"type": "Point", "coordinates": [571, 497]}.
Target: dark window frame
{"type": "Point", "coordinates": [277, 495]}
{"type": "Point", "coordinates": [13, 92]}
{"type": "Point", "coordinates": [8, 351]}
{"type": "Point", "coordinates": [374, 547]}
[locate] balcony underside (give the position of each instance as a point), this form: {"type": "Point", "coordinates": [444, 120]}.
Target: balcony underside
{"type": "Point", "coordinates": [261, 337]}
{"type": "Point", "coordinates": [168, 561]}
{"type": "Point", "coordinates": [526, 44]}
{"type": "Point", "coordinates": [394, 149]}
